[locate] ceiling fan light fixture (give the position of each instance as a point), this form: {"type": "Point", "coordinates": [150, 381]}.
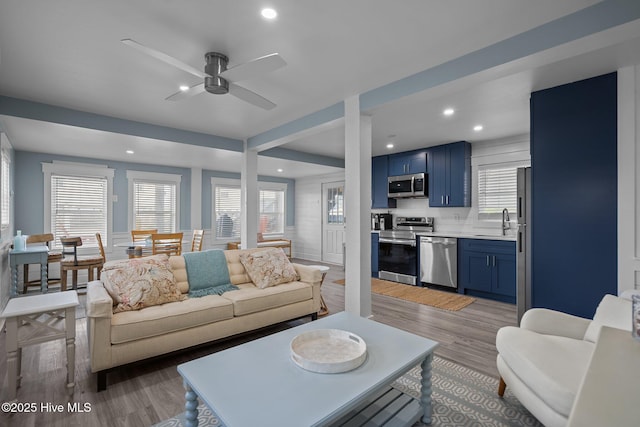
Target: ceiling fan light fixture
{"type": "Point", "coordinates": [268, 13]}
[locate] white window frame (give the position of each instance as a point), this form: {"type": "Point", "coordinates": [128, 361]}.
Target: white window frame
{"type": "Point", "coordinates": [265, 185]}
{"type": "Point", "coordinates": [5, 191]}
{"type": "Point", "coordinates": [475, 201]}
{"type": "Point", "coordinates": [79, 170]}
{"type": "Point", "coordinates": [157, 177]}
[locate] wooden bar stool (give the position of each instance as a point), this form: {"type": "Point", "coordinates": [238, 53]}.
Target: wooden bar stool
{"type": "Point", "coordinates": [72, 262]}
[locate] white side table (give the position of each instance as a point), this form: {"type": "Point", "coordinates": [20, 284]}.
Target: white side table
{"type": "Point", "coordinates": [35, 319]}
{"type": "Point", "coordinates": [324, 310]}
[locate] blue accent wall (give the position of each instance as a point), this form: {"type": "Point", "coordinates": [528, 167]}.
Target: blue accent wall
{"type": "Point", "coordinates": [29, 190]}
{"type": "Point", "coordinates": [574, 195]}
{"type": "Point", "coordinates": [207, 193]}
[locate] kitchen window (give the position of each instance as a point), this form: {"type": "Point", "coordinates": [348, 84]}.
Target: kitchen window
{"type": "Point", "coordinates": [497, 190]}
{"type": "Point", "coordinates": [227, 209]}
{"type": "Point", "coordinates": [154, 201]}
{"type": "Point", "coordinates": [77, 201]}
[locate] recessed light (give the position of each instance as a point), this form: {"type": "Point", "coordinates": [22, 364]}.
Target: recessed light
{"type": "Point", "coordinates": [478, 128]}
{"type": "Point", "coordinates": [129, 151]}
{"type": "Point", "coordinates": [280, 170]}
{"type": "Point", "coordinates": [390, 146]}
{"type": "Point", "coordinates": [184, 88]}
{"type": "Point", "coordinates": [268, 13]}
{"type": "Point", "coordinates": [448, 112]}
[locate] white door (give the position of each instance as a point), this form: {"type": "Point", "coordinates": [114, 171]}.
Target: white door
{"type": "Point", "coordinates": [333, 215]}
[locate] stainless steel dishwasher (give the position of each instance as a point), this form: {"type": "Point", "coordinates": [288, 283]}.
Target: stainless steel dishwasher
{"type": "Point", "coordinates": [439, 261]}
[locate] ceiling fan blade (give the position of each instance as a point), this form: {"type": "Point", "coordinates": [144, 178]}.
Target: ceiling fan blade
{"type": "Point", "coordinates": [250, 97]}
{"type": "Point", "coordinates": [254, 68]}
{"type": "Point", "coordinates": [192, 91]}
{"type": "Point", "coordinates": [164, 58]}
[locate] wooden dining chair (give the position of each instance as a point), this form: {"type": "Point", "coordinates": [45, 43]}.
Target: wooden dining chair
{"type": "Point", "coordinates": [74, 262]}
{"type": "Point", "coordinates": [141, 236]}
{"type": "Point", "coordinates": [167, 243]}
{"type": "Point", "coordinates": [53, 257]}
{"type": "Point", "coordinates": [196, 241]}
{"type": "Point", "coordinates": [101, 247]}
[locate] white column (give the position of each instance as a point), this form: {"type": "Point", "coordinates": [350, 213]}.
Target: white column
{"type": "Point", "coordinates": [357, 298]}
{"type": "Point", "coordinates": [249, 198]}
{"type": "Point", "coordinates": [196, 198]}
{"type": "Point", "coordinates": [628, 176]}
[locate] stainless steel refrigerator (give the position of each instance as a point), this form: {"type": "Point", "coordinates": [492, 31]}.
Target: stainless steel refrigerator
{"type": "Point", "coordinates": [523, 243]}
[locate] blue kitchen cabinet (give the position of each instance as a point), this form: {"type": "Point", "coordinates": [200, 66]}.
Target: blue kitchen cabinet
{"type": "Point", "coordinates": [375, 237]}
{"type": "Point", "coordinates": [409, 162]}
{"type": "Point", "coordinates": [487, 268]}
{"type": "Point", "coordinates": [574, 198]}
{"type": "Point", "coordinates": [380, 184]}
{"type": "Point", "coordinates": [450, 175]}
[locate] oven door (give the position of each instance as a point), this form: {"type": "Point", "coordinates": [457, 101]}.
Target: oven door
{"type": "Point", "coordinates": [397, 260]}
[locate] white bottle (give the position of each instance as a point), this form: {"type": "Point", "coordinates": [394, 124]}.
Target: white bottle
{"type": "Point", "coordinates": [19, 241]}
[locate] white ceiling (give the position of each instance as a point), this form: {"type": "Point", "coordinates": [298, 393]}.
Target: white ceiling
{"type": "Point", "coordinates": [68, 53]}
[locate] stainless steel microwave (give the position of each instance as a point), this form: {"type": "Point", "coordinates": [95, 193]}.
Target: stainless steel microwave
{"type": "Point", "coordinates": [415, 185]}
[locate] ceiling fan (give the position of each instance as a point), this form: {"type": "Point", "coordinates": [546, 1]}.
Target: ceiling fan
{"type": "Point", "coordinates": [219, 79]}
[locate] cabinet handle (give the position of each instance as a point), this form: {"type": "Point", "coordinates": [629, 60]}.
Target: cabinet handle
{"type": "Point", "coordinates": [442, 199]}
{"type": "Point", "coordinates": [447, 199]}
{"type": "Point", "coordinates": [494, 260]}
{"type": "Point", "coordinates": [487, 260]}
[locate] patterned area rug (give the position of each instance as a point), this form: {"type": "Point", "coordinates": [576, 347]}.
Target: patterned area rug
{"type": "Point", "coordinates": [461, 397]}
{"type": "Point", "coordinates": [425, 296]}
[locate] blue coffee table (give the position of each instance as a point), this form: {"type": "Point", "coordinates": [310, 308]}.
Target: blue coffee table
{"type": "Point", "coordinates": [257, 383]}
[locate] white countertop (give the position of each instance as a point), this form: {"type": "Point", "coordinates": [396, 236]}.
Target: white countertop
{"type": "Point", "coordinates": [463, 235]}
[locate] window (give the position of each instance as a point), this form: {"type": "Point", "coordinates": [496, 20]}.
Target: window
{"type": "Point", "coordinates": [77, 201]}
{"type": "Point", "coordinates": [497, 189]}
{"type": "Point", "coordinates": [271, 208]}
{"type": "Point", "coordinates": [154, 201]}
{"type": "Point", "coordinates": [5, 191]}
{"type": "Point", "coordinates": [227, 209]}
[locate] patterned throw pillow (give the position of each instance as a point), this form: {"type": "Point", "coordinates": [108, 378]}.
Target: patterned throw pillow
{"type": "Point", "coordinates": [268, 267]}
{"type": "Point", "coordinates": [141, 282]}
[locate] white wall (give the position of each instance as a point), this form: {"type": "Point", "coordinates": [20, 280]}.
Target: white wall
{"type": "Point", "coordinates": [307, 241]}
{"type": "Point", "coordinates": [629, 178]}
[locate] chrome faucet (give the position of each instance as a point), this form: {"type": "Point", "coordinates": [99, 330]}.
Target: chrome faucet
{"type": "Point", "coordinates": [505, 221]}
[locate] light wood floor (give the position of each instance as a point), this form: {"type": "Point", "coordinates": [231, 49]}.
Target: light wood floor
{"type": "Point", "coordinates": [147, 392]}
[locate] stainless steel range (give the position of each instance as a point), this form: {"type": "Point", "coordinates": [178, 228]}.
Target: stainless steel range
{"type": "Point", "coordinates": [398, 252]}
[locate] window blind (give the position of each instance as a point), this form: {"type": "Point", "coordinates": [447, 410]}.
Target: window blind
{"type": "Point", "coordinates": [227, 211]}
{"type": "Point", "coordinates": [154, 206]}
{"type": "Point", "coordinates": [271, 212]}
{"type": "Point", "coordinates": [78, 208]}
{"type": "Point", "coordinates": [497, 189]}
{"type": "Point", "coordinates": [5, 195]}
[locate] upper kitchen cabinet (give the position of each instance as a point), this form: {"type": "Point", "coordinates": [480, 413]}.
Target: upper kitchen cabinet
{"type": "Point", "coordinates": [408, 163]}
{"type": "Point", "coordinates": [379, 184]}
{"type": "Point", "coordinates": [450, 175]}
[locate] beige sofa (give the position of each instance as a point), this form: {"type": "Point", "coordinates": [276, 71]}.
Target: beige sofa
{"type": "Point", "coordinates": [125, 337]}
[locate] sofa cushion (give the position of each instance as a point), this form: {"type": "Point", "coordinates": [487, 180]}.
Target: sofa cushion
{"type": "Point", "coordinates": [612, 311]}
{"type": "Point", "coordinates": [140, 283]}
{"type": "Point", "coordinates": [269, 267]}
{"type": "Point", "coordinates": [162, 319]}
{"type": "Point", "coordinates": [250, 299]}
{"type": "Point", "coordinates": [552, 366]}
{"type": "Point", "coordinates": [179, 268]}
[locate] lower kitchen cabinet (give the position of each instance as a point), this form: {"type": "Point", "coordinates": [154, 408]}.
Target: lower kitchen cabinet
{"type": "Point", "coordinates": [374, 254]}
{"type": "Point", "coordinates": [487, 268]}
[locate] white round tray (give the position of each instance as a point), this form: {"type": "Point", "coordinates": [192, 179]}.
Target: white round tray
{"type": "Point", "coordinates": [328, 351]}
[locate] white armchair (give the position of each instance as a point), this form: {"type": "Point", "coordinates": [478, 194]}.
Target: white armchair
{"type": "Point", "coordinates": [545, 359]}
